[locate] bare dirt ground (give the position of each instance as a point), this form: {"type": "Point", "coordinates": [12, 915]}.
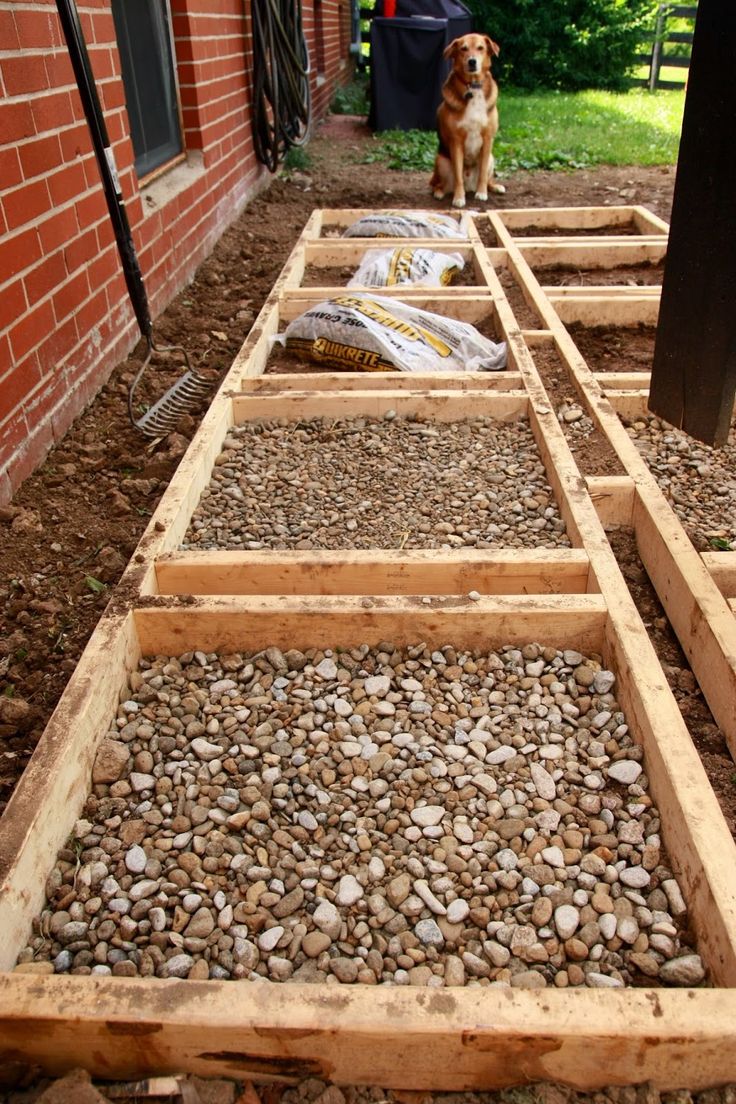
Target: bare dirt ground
{"type": "Point", "coordinates": [67, 535]}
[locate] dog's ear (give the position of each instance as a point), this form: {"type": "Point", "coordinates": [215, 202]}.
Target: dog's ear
{"type": "Point", "coordinates": [451, 50]}
{"type": "Point", "coordinates": [493, 47]}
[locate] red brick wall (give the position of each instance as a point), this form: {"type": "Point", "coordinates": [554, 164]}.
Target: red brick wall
{"type": "Point", "coordinates": [65, 319]}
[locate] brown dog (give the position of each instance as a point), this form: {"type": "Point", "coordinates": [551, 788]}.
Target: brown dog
{"type": "Point", "coordinates": [467, 121]}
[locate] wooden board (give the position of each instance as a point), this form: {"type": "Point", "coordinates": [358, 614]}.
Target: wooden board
{"type": "Point", "coordinates": [171, 601]}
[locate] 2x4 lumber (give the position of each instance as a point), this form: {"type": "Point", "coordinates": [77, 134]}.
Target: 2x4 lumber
{"type": "Point", "coordinates": [444, 406]}
{"type": "Point", "coordinates": [473, 307]}
{"type": "Point", "coordinates": [630, 404]}
{"type": "Point", "coordinates": [568, 218]}
{"type": "Point", "coordinates": [694, 829]}
{"type": "Point", "coordinates": [613, 497]}
{"type": "Point", "coordinates": [698, 612]}
{"type": "Point", "coordinates": [578, 252]}
{"type": "Point", "coordinates": [606, 310]}
{"type": "Point", "coordinates": [225, 623]}
{"type": "Point", "coordinates": [345, 251]}
{"type": "Point", "coordinates": [423, 571]}
{"type": "Point", "coordinates": [722, 569]}
{"type": "Point", "coordinates": [369, 381]}
{"type": "Point", "coordinates": [49, 798]}
{"type": "Point", "coordinates": [449, 1040]}
{"type": "Point", "coordinates": [694, 370]}
{"type": "Point", "coordinates": [621, 381]}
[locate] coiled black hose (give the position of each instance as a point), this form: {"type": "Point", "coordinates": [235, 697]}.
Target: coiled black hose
{"type": "Point", "coordinates": [281, 96]}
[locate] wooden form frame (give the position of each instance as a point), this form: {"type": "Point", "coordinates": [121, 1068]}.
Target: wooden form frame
{"type": "Point", "coordinates": [172, 600]}
{"type": "Point", "coordinates": [701, 615]}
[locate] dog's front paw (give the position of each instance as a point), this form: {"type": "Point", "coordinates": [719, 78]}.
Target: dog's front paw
{"type": "Point", "coordinates": [438, 193]}
{"type": "Point", "coordinates": [458, 201]}
{"type": "Point", "coordinates": [500, 189]}
{"type": "Point", "coordinates": [482, 196]}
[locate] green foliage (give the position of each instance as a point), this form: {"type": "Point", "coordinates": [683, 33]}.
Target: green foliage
{"type": "Point", "coordinates": [566, 44]}
{"type": "Point", "coordinates": [351, 99]}
{"type": "Point", "coordinates": [561, 130]}
{"type": "Point", "coordinates": [296, 159]}
{"type": "Point", "coordinates": [94, 584]}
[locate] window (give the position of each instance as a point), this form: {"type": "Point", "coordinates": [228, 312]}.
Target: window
{"type": "Point", "coordinates": [143, 32]}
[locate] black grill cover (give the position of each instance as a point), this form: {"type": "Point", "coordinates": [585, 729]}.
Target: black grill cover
{"type": "Point", "coordinates": [407, 67]}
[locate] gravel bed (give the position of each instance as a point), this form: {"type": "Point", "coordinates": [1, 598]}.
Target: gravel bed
{"type": "Point", "coordinates": [399, 816]}
{"type": "Point", "coordinates": [699, 481]}
{"type": "Point", "coordinates": [378, 483]}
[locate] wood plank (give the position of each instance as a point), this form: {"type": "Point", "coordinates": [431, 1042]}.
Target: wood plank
{"type": "Point", "coordinates": [629, 404]}
{"type": "Point", "coordinates": [369, 381]}
{"type": "Point", "coordinates": [697, 610]}
{"type": "Point", "coordinates": [622, 381]}
{"type": "Point", "coordinates": [345, 251]}
{"type": "Point", "coordinates": [575, 291]}
{"type": "Point", "coordinates": [452, 1040]}
{"type": "Point", "coordinates": [694, 370]}
{"type": "Point", "coordinates": [613, 497]}
{"type": "Point", "coordinates": [568, 218]}
{"type": "Point", "coordinates": [445, 406]}
{"type": "Point", "coordinates": [583, 255]}
{"type": "Point", "coordinates": [424, 571]}
{"type": "Point", "coordinates": [694, 605]}
{"type": "Point", "coordinates": [232, 624]}
{"type": "Point", "coordinates": [52, 790]}
{"type": "Point", "coordinates": [722, 569]}
{"type": "Point", "coordinates": [607, 310]}
{"type": "Point", "coordinates": [474, 307]}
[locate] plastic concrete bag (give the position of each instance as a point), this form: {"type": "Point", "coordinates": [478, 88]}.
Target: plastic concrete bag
{"type": "Point", "coordinates": [406, 265]}
{"type": "Point", "coordinates": [373, 334]}
{"type": "Point", "coordinates": [406, 224]}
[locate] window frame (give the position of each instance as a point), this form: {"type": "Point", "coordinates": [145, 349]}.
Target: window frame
{"type": "Point", "coordinates": [169, 68]}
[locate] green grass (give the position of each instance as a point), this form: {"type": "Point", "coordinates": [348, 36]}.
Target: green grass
{"type": "Point", "coordinates": [562, 130]}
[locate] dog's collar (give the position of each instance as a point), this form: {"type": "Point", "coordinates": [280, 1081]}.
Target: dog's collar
{"type": "Point", "coordinates": [472, 87]}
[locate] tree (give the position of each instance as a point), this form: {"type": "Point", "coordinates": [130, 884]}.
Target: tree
{"type": "Point", "coordinates": [566, 44]}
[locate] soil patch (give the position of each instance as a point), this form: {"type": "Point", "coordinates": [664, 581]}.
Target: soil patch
{"type": "Point", "coordinates": [641, 275]}
{"type": "Point", "coordinates": [608, 349]}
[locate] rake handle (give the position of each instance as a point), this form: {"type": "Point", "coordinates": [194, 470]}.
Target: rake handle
{"type": "Point", "coordinates": [79, 57]}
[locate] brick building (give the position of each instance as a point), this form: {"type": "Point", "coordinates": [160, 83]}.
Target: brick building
{"type": "Point", "coordinates": [180, 128]}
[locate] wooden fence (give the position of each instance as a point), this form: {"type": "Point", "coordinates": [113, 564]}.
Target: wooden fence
{"type": "Point", "coordinates": [658, 57]}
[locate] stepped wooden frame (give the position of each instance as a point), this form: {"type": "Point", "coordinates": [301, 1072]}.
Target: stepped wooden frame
{"type": "Point", "coordinates": [170, 601]}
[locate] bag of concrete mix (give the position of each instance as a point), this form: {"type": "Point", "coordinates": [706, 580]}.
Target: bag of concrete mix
{"type": "Point", "coordinates": [406, 265]}
{"type": "Point", "coordinates": [373, 334]}
{"type": "Point", "coordinates": [406, 224]}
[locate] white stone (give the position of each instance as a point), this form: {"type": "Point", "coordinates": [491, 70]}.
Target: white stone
{"type": "Point", "coordinates": [427, 816]}
{"type": "Point", "coordinates": [307, 820]}
{"type": "Point", "coordinates": [136, 859]}
{"type": "Point", "coordinates": [205, 750]}
{"type": "Point", "coordinates": [500, 755]}
{"type": "Point", "coordinates": [327, 669]}
{"type": "Point", "coordinates": [327, 919]}
{"type": "Point", "coordinates": [428, 933]}
{"type": "Point", "coordinates": [636, 877]}
{"type": "Point", "coordinates": [608, 924]}
{"type": "Point", "coordinates": [603, 981]}
{"type": "Point", "coordinates": [625, 771]}
{"type": "Point", "coordinates": [457, 911]}
{"type": "Point", "coordinates": [485, 784]}
{"type": "Point", "coordinates": [543, 782]}
{"type": "Point", "coordinates": [377, 685]}
{"type": "Point", "coordinates": [567, 921]}
{"type": "Point", "coordinates": [553, 857]}
{"type": "Point", "coordinates": [140, 782]}
{"type": "Point", "coordinates": [269, 938]}
{"type": "Point", "coordinates": [686, 970]}
{"type": "Point", "coordinates": [349, 890]}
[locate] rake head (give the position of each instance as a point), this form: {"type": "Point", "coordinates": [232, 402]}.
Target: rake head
{"type": "Point", "coordinates": [181, 398]}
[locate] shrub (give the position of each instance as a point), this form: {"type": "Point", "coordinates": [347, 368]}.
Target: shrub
{"type": "Point", "coordinates": [566, 44]}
